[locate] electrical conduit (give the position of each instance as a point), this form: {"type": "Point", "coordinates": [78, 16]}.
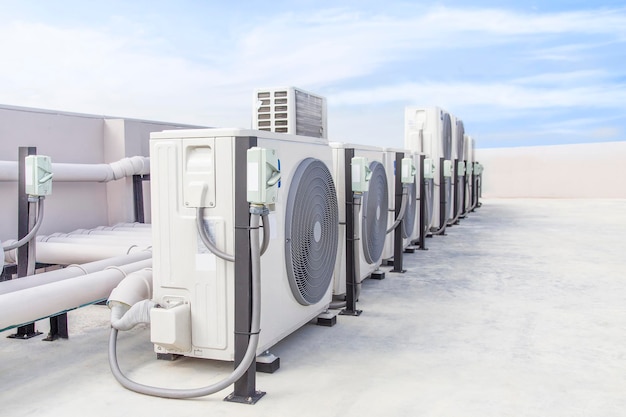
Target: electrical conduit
{"type": "Point", "coordinates": [250, 354]}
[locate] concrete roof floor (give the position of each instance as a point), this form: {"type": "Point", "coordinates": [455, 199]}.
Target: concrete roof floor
{"type": "Point", "coordinates": [519, 311]}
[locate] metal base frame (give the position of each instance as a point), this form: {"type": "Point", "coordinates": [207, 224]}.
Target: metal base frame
{"type": "Point", "coordinates": [249, 400]}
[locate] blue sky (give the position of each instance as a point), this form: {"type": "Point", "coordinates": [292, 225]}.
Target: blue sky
{"type": "Point", "coordinates": [517, 73]}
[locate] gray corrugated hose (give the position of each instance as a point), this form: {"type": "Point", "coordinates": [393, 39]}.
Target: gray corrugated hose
{"type": "Point", "coordinates": [249, 356]}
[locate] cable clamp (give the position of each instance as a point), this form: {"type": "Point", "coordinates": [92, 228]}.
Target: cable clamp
{"type": "Point", "coordinates": [259, 210]}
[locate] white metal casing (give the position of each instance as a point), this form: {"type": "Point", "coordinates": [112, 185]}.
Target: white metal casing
{"type": "Point", "coordinates": [371, 153]}
{"type": "Point", "coordinates": [290, 110]}
{"type": "Point", "coordinates": [424, 131]}
{"type": "Point", "coordinates": [183, 270]}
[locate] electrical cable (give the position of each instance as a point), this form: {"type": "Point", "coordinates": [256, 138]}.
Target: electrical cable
{"type": "Point", "coordinates": [33, 232]}
{"type": "Point", "coordinates": [402, 213]}
{"type": "Point", "coordinates": [206, 239]}
{"type": "Point", "coordinates": [266, 232]}
{"type": "Point", "coordinates": [245, 363]}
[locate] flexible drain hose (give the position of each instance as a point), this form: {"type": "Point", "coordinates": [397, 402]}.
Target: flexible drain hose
{"type": "Point", "coordinates": [35, 228]}
{"type": "Point", "coordinates": [248, 358]}
{"type": "Point", "coordinates": [402, 210]}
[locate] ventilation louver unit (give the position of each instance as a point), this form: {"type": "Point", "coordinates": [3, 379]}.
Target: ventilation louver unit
{"type": "Point", "coordinates": [290, 110]}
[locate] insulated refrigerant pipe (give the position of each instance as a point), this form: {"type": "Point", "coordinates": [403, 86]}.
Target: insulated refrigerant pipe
{"type": "Point", "coordinates": [71, 271]}
{"type": "Point", "coordinates": [137, 232]}
{"type": "Point", "coordinates": [62, 172]}
{"type": "Point", "coordinates": [96, 239]}
{"type": "Point", "coordinates": [133, 225]}
{"type": "Point", "coordinates": [73, 253]}
{"type": "Point", "coordinates": [28, 305]}
{"type": "Point", "coordinates": [124, 229]}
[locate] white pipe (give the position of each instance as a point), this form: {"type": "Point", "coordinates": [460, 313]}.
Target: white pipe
{"type": "Point", "coordinates": [137, 232]}
{"type": "Point", "coordinates": [118, 228]}
{"type": "Point", "coordinates": [97, 239]}
{"type": "Point", "coordinates": [68, 253]}
{"type": "Point", "coordinates": [71, 271]}
{"type": "Point", "coordinates": [28, 305]}
{"type": "Point", "coordinates": [135, 225]}
{"type": "Point", "coordinates": [62, 172]}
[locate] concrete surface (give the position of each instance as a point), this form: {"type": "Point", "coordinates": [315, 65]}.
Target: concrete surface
{"type": "Point", "coordinates": [587, 170]}
{"type": "Point", "coordinates": [518, 311]}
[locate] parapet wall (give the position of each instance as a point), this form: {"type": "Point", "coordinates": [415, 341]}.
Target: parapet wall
{"type": "Point", "coordinates": [591, 170]}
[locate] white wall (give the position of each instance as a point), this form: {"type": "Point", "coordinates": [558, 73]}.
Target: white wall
{"type": "Point", "coordinates": [73, 138]}
{"type": "Point", "coordinates": [593, 170]}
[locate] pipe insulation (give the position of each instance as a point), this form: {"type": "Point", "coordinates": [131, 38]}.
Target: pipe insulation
{"type": "Point", "coordinates": [72, 253]}
{"type": "Point", "coordinates": [71, 271]}
{"type": "Point", "coordinates": [63, 172]}
{"type": "Point", "coordinates": [26, 306]}
{"type": "Point", "coordinates": [97, 240]}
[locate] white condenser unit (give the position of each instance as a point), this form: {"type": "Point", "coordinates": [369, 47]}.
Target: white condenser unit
{"type": "Point", "coordinates": [429, 130]}
{"type": "Point", "coordinates": [393, 170]}
{"type": "Point", "coordinates": [290, 110]}
{"type": "Point", "coordinates": [371, 221]}
{"type": "Point", "coordinates": [209, 169]}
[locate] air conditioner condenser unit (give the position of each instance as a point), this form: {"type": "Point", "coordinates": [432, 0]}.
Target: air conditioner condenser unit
{"type": "Point", "coordinates": [210, 169]}
{"type": "Point", "coordinates": [371, 221]}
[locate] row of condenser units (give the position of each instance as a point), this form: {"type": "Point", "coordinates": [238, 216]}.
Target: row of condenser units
{"type": "Point", "coordinates": [306, 191]}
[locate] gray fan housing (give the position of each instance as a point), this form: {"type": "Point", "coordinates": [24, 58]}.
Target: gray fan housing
{"type": "Point", "coordinates": [375, 212]}
{"type": "Point", "coordinates": [311, 231]}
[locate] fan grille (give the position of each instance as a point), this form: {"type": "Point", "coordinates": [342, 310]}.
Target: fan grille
{"type": "Point", "coordinates": [311, 231]}
{"type": "Point", "coordinates": [375, 202]}
{"type": "Point", "coordinates": [408, 224]}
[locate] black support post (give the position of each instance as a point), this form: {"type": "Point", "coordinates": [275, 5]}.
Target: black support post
{"type": "Point", "coordinates": [245, 387]}
{"type": "Point", "coordinates": [26, 331]}
{"type": "Point", "coordinates": [443, 216]}
{"type": "Point", "coordinates": [464, 193]}
{"type": "Point", "coordinates": [397, 233]}
{"type": "Point", "coordinates": [351, 278]}
{"type": "Point", "coordinates": [58, 328]}
{"type": "Point", "coordinates": [422, 222]}
{"type": "Point", "coordinates": [456, 190]}
{"type": "Point", "coordinates": [138, 197]}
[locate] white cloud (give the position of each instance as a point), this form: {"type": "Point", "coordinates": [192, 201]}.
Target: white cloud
{"type": "Point", "coordinates": [111, 71]}
{"type": "Point", "coordinates": [506, 95]}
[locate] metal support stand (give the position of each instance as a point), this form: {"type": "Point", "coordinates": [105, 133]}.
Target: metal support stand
{"type": "Point", "coordinates": [138, 197]}
{"type": "Point", "coordinates": [456, 192]}
{"type": "Point", "coordinates": [421, 241]}
{"type": "Point", "coordinates": [27, 331]}
{"type": "Point", "coordinates": [443, 216]}
{"type": "Point", "coordinates": [351, 279]}
{"type": "Point", "coordinates": [397, 233]}
{"type": "Point", "coordinates": [474, 194]}
{"type": "Point", "coordinates": [58, 328]}
{"type": "Point", "coordinates": [245, 391]}
{"type": "Point", "coordinates": [464, 194]}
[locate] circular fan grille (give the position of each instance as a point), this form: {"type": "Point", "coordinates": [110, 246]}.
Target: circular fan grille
{"type": "Point", "coordinates": [408, 224]}
{"type": "Point", "coordinates": [311, 231]}
{"type": "Point", "coordinates": [375, 202]}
